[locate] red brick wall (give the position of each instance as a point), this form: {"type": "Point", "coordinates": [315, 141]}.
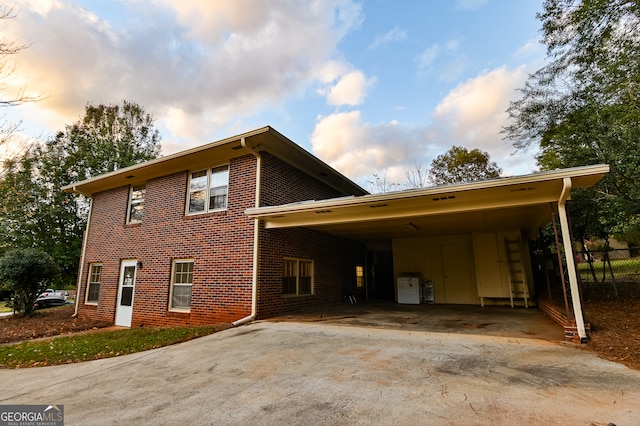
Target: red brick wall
{"type": "Point", "coordinates": [282, 184]}
{"type": "Point", "coordinates": [334, 261]}
{"type": "Point", "coordinates": [221, 245]}
{"type": "Point", "coordinates": [334, 258]}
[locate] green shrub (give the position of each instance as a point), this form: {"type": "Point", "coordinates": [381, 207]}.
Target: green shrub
{"type": "Point", "coordinates": [27, 272]}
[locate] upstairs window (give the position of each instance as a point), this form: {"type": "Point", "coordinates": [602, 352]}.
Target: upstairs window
{"type": "Point", "coordinates": [136, 203]}
{"type": "Point", "coordinates": [297, 277]}
{"type": "Point", "coordinates": [208, 190]}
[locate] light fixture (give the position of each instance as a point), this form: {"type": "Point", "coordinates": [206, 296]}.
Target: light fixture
{"type": "Point", "coordinates": [139, 265]}
{"type": "Point", "coordinates": [412, 226]}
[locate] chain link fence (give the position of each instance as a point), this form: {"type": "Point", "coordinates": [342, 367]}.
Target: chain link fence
{"type": "Point", "coordinates": [613, 273]}
{"type": "Point", "coordinates": [609, 266]}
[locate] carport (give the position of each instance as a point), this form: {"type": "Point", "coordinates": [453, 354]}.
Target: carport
{"type": "Point", "coordinates": [469, 240]}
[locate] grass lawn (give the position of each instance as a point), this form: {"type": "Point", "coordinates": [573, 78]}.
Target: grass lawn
{"type": "Point", "coordinates": [621, 268]}
{"type": "Point", "coordinates": [3, 307]}
{"type": "Point", "coordinates": [97, 345]}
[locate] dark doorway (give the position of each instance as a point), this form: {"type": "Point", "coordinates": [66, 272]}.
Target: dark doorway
{"type": "Point", "coordinates": [380, 277]}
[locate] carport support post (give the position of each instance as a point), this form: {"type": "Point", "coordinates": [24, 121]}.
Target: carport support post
{"type": "Point", "coordinates": [571, 266]}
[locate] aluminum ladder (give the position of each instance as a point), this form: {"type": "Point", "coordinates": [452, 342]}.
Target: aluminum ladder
{"type": "Point", "coordinates": [518, 286]}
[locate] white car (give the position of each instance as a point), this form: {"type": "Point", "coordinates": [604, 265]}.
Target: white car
{"type": "Point", "coordinates": [50, 297]}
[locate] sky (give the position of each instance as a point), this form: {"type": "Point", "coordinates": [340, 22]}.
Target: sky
{"type": "Point", "coordinates": [373, 87]}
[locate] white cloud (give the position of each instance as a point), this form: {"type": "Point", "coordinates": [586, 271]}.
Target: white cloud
{"type": "Point", "coordinates": [350, 89]}
{"type": "Point", "coordinates": [396, 34]}
{"type": "Point", "coordinates": [198, 64]}
{"type": "Point", "coordinates": [471, 115]}
{"type": "Point", "coordinates": [531, 48]}
{"type": "Point", "coordinates": [445, 58]}
{"type": "Point", "coordinates": [427, 58]}
{"type": "Point", "coordinates": [361, 150]}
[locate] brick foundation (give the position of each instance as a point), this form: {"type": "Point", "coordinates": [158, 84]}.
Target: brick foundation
{"type": "Point", "coordinates": [569, 324]}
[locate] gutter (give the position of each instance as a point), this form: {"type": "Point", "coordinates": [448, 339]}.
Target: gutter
{"type": "Point", "coordinates": [82, 256]}
{"type": "Point", "coordinates": [571, 266]}
{"type": "Point", "coordinates": [350, 201]}
{"type": "Point", "coordinates": [256, 236]}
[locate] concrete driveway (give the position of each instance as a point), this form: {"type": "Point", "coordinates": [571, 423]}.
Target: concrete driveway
{"type": "Point", "coordinates": [459, 319]}
{"type": "Point", "coordinates": [296, 373]}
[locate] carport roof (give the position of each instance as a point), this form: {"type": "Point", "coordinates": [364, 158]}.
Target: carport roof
{"type": "Point", "coordinates": [520, 202]}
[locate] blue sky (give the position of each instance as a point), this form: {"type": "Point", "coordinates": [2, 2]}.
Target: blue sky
{"type": "Point", "coordinates": [372, 87]}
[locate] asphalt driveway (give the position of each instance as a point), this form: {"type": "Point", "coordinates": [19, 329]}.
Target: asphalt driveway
{"type": "Point", "coordinates": [294, 373]}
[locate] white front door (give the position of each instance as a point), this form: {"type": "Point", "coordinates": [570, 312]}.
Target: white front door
{"type": "Point", "coordinates": [124, 304]}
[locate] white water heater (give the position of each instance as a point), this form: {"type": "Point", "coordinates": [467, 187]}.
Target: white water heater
{"type": "Point", "coordinates": [410, 289]}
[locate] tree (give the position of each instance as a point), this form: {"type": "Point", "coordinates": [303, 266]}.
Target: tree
{"type": "Point", "coordinates": [7, 49]}
{"type": "Point", "coordinates": [37, 213]}
{"type": "Point", "coordinates": [417, 177]}
{"type": "Point", "coordinates": [107, 138]}
{"type": "Point", "coordinates": [19, 201]}
{"type": "Point", "coordinates": [381, 184]}
{"type": "Point", "coordinates": [583, 107]}
{"type": "Point", "coordinates": [458, 165]}
{"type": "Point", "coordinates": [28, 272]}
{"type": "Point", "coordinates": [7, 98]}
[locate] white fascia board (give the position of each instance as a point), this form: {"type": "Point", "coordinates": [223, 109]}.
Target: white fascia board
{"type": "Point", "coordinates": [259, 212]}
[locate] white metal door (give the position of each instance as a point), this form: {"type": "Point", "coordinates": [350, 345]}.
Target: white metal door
{"type": "Point", "coordinates": [124, 306]}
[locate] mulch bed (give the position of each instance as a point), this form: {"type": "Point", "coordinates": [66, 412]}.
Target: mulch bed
{"type": "Point", "coordinates": [45, 323]}
{"type": "Point", "coordinates": [615, 330]}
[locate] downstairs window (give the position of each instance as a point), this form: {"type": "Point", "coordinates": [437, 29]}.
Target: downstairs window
{"type": "Point", "coordinates": [297, 277]}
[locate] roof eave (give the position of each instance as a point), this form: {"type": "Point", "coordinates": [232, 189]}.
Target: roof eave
{"type": "Point", "coordinates": [589, 174]}
{"type": "Point", "coordinates": [262, 139]}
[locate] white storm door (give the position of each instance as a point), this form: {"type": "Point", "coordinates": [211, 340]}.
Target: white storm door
{"type": "Point", "coordinates": [124, 304]}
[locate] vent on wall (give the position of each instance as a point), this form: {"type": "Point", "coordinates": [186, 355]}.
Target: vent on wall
{"type": "Point", "coordinates": [523, 189]}
{"type": "Point", "coordinates": [446, 197]}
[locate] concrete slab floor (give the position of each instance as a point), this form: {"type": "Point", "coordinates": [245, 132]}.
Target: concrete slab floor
{"type": "Point", "coordinates": [459, 319]}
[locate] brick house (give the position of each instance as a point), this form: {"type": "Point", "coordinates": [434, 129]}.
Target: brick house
{"type": "Point", "coordinates": [253, 226]}
{"type": "Point", "coordinates": [168, 242]}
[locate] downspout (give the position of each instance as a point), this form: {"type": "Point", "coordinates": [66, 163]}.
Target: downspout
{"type": "Point", "coordinates": [571, 266]}
{"type": "Point", "coordinates": [256, 236]}
{"type": "Point", "coordinates": [85, 237]}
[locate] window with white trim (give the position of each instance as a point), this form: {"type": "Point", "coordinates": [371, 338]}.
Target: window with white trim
{"type": "Point", "coordinates": [93, 283]}
{"type": "Point", "coordinates": [359, 276]}
{"type": "Point", "coordinates": [181, 284]}
{"type": "Point", "coordinates": [136, 203]}
{"type": "Point", "coordinates": [297, 277]}
{"type": "Point", "coordinates": [208, 190]}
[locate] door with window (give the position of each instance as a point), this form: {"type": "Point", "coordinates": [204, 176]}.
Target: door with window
{"type": "Point", "coordinates": [124, 306]}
